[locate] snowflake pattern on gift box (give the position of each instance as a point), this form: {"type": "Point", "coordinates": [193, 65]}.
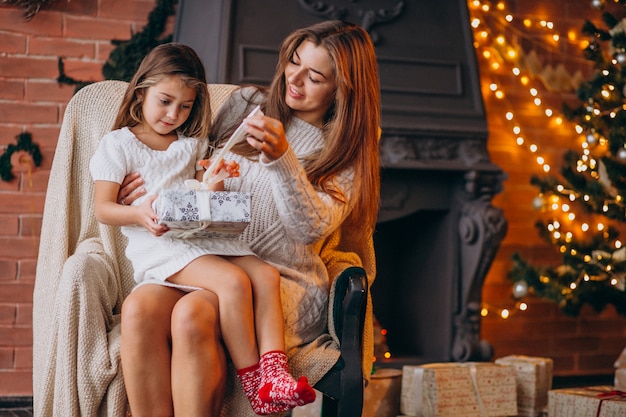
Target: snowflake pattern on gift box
{"type": "Point", "coordinates": [186, 204]}
{"type": "Point", "coordinates": [241, 201]}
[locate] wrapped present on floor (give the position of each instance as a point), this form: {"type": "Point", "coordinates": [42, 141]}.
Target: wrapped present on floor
{"type": "Point", "coordinates": [203, 214]}
{"type": "Point", "coordinates": [534, 380]}
{"type": "Point", "coordinates": [600, 401]}
{"type": "Point", "coordinates": [620, 379]}
{"type": "Point", "coordinates": [471, 389]}
{"type": "Point", "coordinates": [381, 397]}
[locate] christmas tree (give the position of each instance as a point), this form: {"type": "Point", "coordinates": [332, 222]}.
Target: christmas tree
{"type": "Point", "coordinates": [586, 202]}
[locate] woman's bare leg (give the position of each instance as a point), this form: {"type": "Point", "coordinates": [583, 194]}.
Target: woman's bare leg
{"type": "Point", "coordinates": [145, 349]}
{"type": "Point", "coordinates": [198, 357]}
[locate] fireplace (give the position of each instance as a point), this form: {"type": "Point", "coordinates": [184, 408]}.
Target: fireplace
{"type": "Point", "coordinates": [437, 232]}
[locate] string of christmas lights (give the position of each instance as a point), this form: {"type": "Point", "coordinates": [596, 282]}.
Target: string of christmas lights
{"type": "Point", "coordinates": [497, 40]}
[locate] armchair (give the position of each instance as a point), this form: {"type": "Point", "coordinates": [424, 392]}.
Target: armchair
{"type": "Point", "coordinates": [83, 277]}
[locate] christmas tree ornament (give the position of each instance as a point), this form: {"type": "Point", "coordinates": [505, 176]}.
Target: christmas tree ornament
{"type": "Point", "coordinates": [539, 203]}
{"type": "Point", "coordinates": [620, 57]}
{"type": "Point", "coordinates": [597, 4]}
{"type": "Point", "coordinates": [520, 289]}
{"type": "Point", "coordinates": [621, 154]}
{"type": "Point", "coordinates": [591, 139]}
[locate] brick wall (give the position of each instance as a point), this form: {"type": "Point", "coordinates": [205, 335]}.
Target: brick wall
{"type": "Point", "coordinates": [80, 31]}
{"type": "Point", "coordinates": [590, 343]}
{"type": "Point", "coordinates": [31, 100]}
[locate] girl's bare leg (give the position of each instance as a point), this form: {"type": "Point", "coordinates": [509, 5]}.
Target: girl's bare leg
{"type": "Point", "coordinates": [145, 349]}
{"type": "Point", "coordinates": [198, 357]}
{"type": "Point", "coordinates": [278, 387]}
{"type": "Point", "coordinates": [234, 292]}
{"type": "Point", "coordinates": [268, 310]}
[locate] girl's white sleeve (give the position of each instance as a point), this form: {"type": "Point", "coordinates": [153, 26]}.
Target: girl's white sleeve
{"type": "Point", "coordinates": [109, 162]}
{"type": "Point", "coordinates": [307, 214]}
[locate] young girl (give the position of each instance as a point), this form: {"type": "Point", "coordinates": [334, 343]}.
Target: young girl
{"type": "Point", "coordinates": [165, 107]}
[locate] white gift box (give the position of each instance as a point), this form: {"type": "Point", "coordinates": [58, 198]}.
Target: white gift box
{"type": "Point", "coordinates": [473, 389]}
{"type": "Point", "coordinates": [534, 380]}
{"type": "Point", "coordinates": [203, 214]}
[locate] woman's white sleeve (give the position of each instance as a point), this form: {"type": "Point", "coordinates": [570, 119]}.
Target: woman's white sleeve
{"type": "Point", "coordinates": [307, 214]}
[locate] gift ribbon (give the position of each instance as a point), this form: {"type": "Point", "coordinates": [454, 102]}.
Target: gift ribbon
{"type": "Point", "coordinates": [482, 410]}
{"type": "Point", "coordinates": [607, 395]}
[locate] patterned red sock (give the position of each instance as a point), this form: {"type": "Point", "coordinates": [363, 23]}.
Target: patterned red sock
{"type": "Point", "coordinates": [278, 387]}
{"type": "Point", "coordinates": [250, 379]}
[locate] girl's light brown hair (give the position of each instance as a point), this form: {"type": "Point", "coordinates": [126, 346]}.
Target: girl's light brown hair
{"type": "Point", "coordinates": [169, 59]}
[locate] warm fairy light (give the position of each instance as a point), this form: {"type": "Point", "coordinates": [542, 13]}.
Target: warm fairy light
{"type": "Point", "coordinates": [499, 46]}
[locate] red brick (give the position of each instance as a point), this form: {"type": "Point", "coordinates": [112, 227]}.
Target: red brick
{"type": "Point", "coordinates": [13, 43]}
{"type": "Point", "coordinates": [16, 383]}
{"type": "Point", "coordinates": [7, 315]}
{"type": "Point", "coordinates": [24, 358]}
{"type": "Point", "coordinates": [62, 47]}
{"type": "Point", "coordinates": [16, 336]}
{"type": "Point", "coordinates": [22, 203]}
{"type": "Point", "coordinates": [11, 89]}
{"type": "Point", "coordinates": [27, 67]}
{"type": "Point", "coordinates": [27, 112]}
{"type": "Point", "coordinates": [24, 317]}
{"type": "Point", "coordinates": [6, 358]}
{"type": "Point", "coordinates": [49, 24]}
{"type": "Point", "coordinates": [126, 10]}
{"type": "Point", "coordinates": [8, 270]}
{"type": "Point", "coordinates": [27, 269]}
{"type": "Point", "coordinates": [35, 181]}
{"type": "Point", "coordinates": [83, 70]}
{"type": "Point", "coordinates": [105, 29]}
{"type": "Point", "coordinates": [9, 226]}
{"type": "Point", "coordinates": [18, 248]}
{"type": "Point", "coordinates": [30, 226]}
{"type": "Point", "coordinates": [51, 90]}
{"type": "Point", "coordinates": [16, 292]}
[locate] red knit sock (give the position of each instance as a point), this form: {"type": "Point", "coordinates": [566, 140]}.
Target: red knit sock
{"type": "Point", "coordinates": [278, 386]}
{"type": "Point", "coordinates": [250, 379]}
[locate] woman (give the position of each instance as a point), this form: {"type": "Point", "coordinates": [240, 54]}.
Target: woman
{"type": "Point", "coordinates": [311, 164]}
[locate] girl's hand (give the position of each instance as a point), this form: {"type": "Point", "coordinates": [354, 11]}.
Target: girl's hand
{"type": "Point", "coordinates": [266, 135]}
{"type": "Point", "coordinates": [231, 168]}
{"type": "Point", "coordinates": [130, 189]}
{"type": "Point", "coordinates": [147, 218]}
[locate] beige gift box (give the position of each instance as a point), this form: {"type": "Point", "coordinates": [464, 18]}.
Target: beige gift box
{"type": "Point", "coordinates": [472, 389]}
{"type": "Point", "coordinates": [381, 397]}
{"type": "Point", "coordinates": [600, 401]}
{"type": "Point", "coordinates": [534, 380]}
{"type": "Point", "coordinates": [620, 372]}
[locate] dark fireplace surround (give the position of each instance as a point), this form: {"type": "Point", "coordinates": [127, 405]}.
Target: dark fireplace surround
{"type": "Point", "coordinates": [437, 232]}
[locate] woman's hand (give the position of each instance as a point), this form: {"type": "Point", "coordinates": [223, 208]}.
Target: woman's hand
{"type": "Point", "coordinates": [130, 189]}
{"type": "Point", "coordinates": [266, 135]}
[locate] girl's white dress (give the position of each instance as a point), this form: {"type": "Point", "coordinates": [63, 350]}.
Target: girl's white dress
{"type": "Point", "coordinates": [155, 258]}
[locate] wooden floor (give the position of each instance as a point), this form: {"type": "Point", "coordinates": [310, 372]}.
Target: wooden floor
{"type": "Point", "coordinates": [23, 406]}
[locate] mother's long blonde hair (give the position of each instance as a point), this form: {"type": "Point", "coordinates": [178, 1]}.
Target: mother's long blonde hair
{"type": "Point", "coordinates": [352, 124]}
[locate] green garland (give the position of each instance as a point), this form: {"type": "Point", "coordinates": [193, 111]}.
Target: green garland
{"type": "Point", "coordinates": [127, 55]}
{"type": "Point", "coordinates": [24, 143]}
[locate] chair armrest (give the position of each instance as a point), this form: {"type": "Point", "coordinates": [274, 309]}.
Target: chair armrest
{"type": "Point", "coordinates": [346, 378]}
